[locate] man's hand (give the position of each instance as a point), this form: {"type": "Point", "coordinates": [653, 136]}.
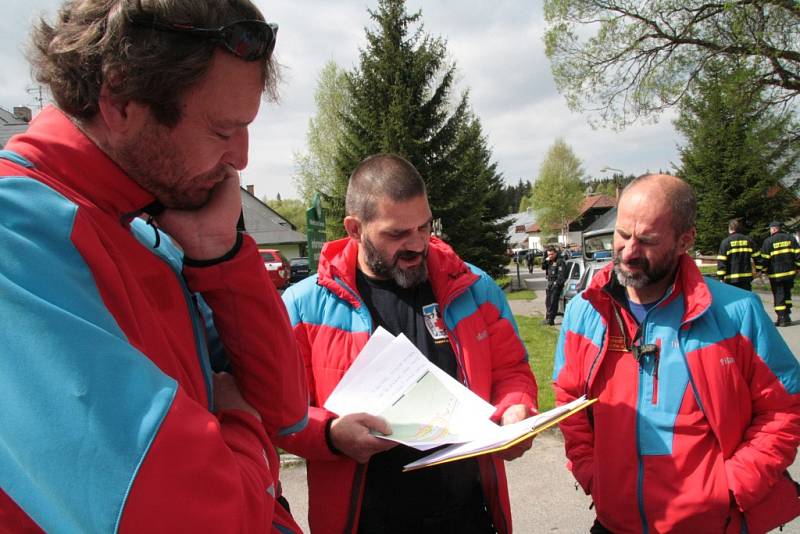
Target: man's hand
{"type": "Point", "coordinates": [514, 413]}
{"type": "Point", "coordinates": [209, 232]}
{"type": "Point", "coordinates": [350, 434]}
{"type": "Point", "coordinates": [228, 397]}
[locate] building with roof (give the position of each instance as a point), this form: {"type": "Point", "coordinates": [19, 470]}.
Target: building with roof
{"type": "Point", "coordinates": [603, 222]}
{"type": "Point", "coordinates": [13, 123]}
{"type": "Point", "coordinates": [518, 236]}
{"type": "Point", "coordinates": [592, 208]}
{"type": "Point", "coordinates": [268, 228]}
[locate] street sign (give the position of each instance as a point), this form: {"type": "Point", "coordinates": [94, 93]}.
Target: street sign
{"type": "Point", "coordinates": [315, 234]}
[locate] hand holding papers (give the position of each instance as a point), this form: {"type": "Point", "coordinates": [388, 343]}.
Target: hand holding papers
{"type": "Point", "coordinates": [503, 437]}
{"type": "Point", "coordinates": [425, 407]}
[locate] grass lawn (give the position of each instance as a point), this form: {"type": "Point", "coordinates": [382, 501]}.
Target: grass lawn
{"type": "Point", "coordinates": [522, 294]}
{"type": "Point", "coordinates": [540, 341]}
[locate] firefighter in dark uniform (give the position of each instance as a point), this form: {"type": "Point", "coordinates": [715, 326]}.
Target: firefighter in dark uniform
{"type": "Point", "coordinates": [736, 256]}
{"type": "Point", "coordinates": [556, 271]}
{"type": "Point", "coordinates": [780, 260]}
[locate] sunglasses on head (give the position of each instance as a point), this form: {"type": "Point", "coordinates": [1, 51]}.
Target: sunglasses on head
{"type": "Point", "coordinates": [250, 40]}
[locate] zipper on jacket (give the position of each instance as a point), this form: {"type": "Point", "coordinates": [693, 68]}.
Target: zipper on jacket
{"type": "Point", "coordinates": [454, 342]}
{"type": "Point", "coordinates": [639, 457]}
{"type": "Point", "coordinates": [200, 344]}
{"type": "Point", "coordinates": [656, 364]}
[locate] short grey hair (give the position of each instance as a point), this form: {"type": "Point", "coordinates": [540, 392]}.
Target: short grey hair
{"type": "Point", "coordinates": [378, 176]}
{"type": "Point", "coordinates": [679, 195]}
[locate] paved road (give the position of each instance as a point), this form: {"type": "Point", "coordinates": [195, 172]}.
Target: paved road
{"type": "Point", "coordinates": [543, 494]}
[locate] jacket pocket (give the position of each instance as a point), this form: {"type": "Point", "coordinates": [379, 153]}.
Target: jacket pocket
{"type": "Point", "coordinates": [781, 505]}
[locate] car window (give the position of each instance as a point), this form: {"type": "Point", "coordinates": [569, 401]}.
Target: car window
{"type": "Point", "coordinates": [268, 256]}
{"type": "Point", "coordinates": [599, 246]}
{"type": "Point", "coordinates": [575, 273]}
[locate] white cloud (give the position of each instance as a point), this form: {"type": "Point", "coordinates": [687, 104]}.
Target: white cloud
{"type": "Point", "coordinates": [497, 47]}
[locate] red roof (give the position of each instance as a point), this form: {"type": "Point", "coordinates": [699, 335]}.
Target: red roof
{"type": "Point", "coordinates": [596, 201]}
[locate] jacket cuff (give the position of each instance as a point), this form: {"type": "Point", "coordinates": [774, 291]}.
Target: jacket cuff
{"type": "Point", "coordinates": [191, 262]}
{"type": "Point", "coordinates": [328, 439]}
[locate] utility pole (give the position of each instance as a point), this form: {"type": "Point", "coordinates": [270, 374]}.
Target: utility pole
{"type": "Point", "coordinates": [37, 91]}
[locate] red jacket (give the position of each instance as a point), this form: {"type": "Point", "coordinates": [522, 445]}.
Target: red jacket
{"type": "Point", "coordinates": [332, 324]}
{"type": "Point", "coordinates": [108, 421]}
{"type": "Point", "coordinates": [672, 437]}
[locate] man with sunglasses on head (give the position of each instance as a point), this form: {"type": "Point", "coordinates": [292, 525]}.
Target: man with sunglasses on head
{"type": "Point", "coordinates": [112, 419]}
{"type": "Point", "coordinates": [390, 272]}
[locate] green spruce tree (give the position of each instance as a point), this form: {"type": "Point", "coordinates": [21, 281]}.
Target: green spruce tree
{"type": "Point", "coordinates": [401, 101]}
{"type": "Point", "coordinates": [739, 155]}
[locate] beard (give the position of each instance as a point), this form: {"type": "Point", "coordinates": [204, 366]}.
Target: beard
{"type": "Point", "coordinates": [648, 274]}
{"type": "Point", "coordinates": [154, 162]}
{"type": "Point", "coordinates": [384, 268]}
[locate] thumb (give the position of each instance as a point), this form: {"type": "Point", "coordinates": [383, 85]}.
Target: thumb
{"type": "Point", "coordinates": [374, 422]}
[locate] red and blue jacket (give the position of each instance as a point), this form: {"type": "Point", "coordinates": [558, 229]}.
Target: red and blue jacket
{"type": "Point", "coordinates": [332, 324]}
{"type": "Point", "coordinates": [108, 419]}
{"type": "Point", "coordinates": [696, 435]}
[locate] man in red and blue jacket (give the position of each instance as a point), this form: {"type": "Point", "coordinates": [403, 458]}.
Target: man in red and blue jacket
{"type": "Point", "coordinates": [389, 271]}
{"type": "Point", "coordinates": [698, 412]}
{"type": "Point", "coordinates": [112, 420]}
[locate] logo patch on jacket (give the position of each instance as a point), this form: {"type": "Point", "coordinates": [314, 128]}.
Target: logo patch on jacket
{"type": "Point", "coordinates": [434, 323]}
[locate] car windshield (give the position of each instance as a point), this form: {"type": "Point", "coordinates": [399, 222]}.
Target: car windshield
{"type": "Point", "coordinates": [299, 262]}
{"type": "Point", "coordinates": [598, 246]}
{"type": "Point", "coordinates": [268, 256]}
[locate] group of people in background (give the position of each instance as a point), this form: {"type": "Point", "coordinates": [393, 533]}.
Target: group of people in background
{"type": "Point", "coordinates": [778, 258]}
{"type": "Point", "coordinates": [119, 233]}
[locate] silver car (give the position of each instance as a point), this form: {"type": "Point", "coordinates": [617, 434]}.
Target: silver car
{"type": "Point", "coordinates": [597, 251]}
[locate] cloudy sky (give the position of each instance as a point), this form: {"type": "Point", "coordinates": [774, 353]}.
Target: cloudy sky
{"type": "Point", "coordinates": [497, 47]}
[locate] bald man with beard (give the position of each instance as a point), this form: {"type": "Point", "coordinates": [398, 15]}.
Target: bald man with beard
{"type": "Point", "coordinates": [698, 412]}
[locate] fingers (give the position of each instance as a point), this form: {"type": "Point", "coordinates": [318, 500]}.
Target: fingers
{"type": "Point", "coordinates": [376, 423]}
{"type": "Point", "coordinates": [514, 413]}
{"type": "Point", "coordinates": [351, 435]}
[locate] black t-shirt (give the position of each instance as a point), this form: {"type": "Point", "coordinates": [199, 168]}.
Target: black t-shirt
{"type": "Point", "coordinates": [445, 498]}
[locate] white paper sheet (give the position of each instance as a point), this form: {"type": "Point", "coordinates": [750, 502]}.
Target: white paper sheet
{"type": "Point", "coordinates": [424, 406]}
{"type": "Point", "coordinates": [498, 437]}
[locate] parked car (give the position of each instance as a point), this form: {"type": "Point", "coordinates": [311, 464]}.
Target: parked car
{"type": "Point", "coordinates": [575, 268]}
{"type": "Point", "coordinates": [597, 252]}
{"type": "Point", "coordinates": [277, 266]}
{"type": "Point", "coordinates": [298, 269]}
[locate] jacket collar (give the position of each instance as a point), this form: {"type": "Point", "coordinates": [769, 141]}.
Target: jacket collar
{"type": "Point", "coordinates": [448, 273]}
{"type": "Point", "coordinates": [68, 159]}
{"type": "Point", "coordinates": [688, 281]}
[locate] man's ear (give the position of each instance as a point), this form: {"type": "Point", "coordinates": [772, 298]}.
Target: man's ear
{"type": "Point", "coordinates": [353, 227]}
{"type": "Point", "coordinates": [686, 240]}
{"type": "Point", "coordinates": [120, 116]}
